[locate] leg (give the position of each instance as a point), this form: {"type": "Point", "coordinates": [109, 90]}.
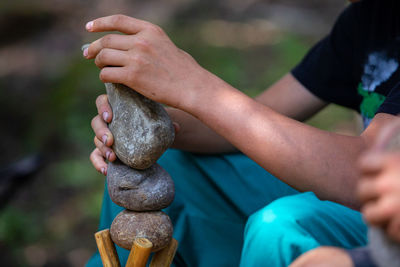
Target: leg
{"type": "Point", "coordinates": [292, 225]}
{"type": "Point", "coordinates": [324, 257]}
{"type": "Point", "coordinates": [214, 197]}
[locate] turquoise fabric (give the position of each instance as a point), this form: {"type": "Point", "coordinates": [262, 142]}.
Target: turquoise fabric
{"type": "Point", "coordinates": [292, 225]}
{"type": "Point", "coordinates": [215, 195]}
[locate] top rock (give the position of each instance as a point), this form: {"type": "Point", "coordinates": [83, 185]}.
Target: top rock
{"type": "Point", "coordinates": [141, 128]}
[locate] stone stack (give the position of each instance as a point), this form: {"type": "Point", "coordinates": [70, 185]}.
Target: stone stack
{"type": "Point", "coordinates": [142, 132]}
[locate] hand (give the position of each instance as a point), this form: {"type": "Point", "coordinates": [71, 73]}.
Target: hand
{"type": "Point", "coordinates": [145, 59]}
{"type": "Point", "coordinates": [379, 185]}
{"type": "Point", "coordinates": [103, 139]}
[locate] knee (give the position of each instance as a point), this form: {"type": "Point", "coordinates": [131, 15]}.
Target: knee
{"type": "Point", "coordinates": [276, 233]}
{"type": "Point", "coordinates": [282, 213]}
{"type": "Point", "coordinates": [324, 257]}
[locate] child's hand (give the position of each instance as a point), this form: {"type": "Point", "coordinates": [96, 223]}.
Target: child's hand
{"type": "Point", "coordinates": [379, 185]}
{"type": "Point", "coordinates": [103, 139]}
{"type": "Point", "coordinates": [145, 59]}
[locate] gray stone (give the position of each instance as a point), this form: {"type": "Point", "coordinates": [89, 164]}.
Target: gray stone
{"type": "Point", "coordinates": [153, 225]}
{"type": "Point", "coordinates": [141, 128]}
{"type": "Point", "coordinates": [139, 190]}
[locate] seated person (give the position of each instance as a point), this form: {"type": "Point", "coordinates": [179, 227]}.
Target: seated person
{"type": "Point", "coordinates": [379, 193]}
{"type": "Point", "coordinates": [295, 190]}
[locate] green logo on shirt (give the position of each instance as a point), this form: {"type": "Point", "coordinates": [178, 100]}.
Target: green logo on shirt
{"type": "Point", "coordinates": [370, 103]}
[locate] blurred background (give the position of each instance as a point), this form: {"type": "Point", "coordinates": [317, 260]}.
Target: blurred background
{"type": "Point", "coordinates": [50, 196]}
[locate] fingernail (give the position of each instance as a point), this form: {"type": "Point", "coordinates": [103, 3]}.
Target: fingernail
{"type": "Point", "coordinates": [104, 139]}
{"type": "Point", "coordinates": [103, 171]}
{"type": "Point", "coordinates": [89, 25]}
{"type": "Point", "coordinates": [105, 115]}
{"type": "Point", "coordinates": [85, 52]}
{"type": "Point", "coordinates": [85, 46]}
{"type": "Point", "coordinates": [108, 153]}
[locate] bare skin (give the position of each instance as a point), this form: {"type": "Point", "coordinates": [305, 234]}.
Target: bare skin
{"type": "Point", "coordinates": [267, 129]}
{"type": "Point", "coordinates": [324, 257]}
{"type": "Point", "coordinates": [379, 185]}
{"type": "Point", "coordinates": [378, 189]}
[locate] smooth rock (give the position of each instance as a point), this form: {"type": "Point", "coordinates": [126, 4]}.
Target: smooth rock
{"type": "Point", "coordinates": [141, 128]}
{"type": "Point", "coordinates": [139, 190]}
{"type": "Point", "coordinates": [153, 225]}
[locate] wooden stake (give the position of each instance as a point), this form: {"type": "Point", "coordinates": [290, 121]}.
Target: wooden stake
{"type": "Point", "coordinates": [107, 250]}
{"type": "Point", "coordinates": [164, 257]}
{"type": "Point", "coordinates": [140, 253]}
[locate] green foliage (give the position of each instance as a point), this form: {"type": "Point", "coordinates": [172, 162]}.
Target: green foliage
{"type": "Point", "coordinates": [17, 226]}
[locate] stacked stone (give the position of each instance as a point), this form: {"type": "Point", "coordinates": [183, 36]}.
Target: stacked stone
{"type": "Point", "coordinates": [142, 132]}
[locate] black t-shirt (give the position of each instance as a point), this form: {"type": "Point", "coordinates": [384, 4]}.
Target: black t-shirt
{"type": "Point", "coordinates": [357, 64]}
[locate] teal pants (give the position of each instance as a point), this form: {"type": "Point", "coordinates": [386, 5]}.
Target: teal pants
{"type": "Point", "coordinates": [228, 211]}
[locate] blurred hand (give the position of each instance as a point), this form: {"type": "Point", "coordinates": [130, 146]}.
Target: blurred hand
{"type": "Point", "coordinates": [145, 59]}
{"type": "Point", "coordinates": [103, 139]}
{"type": "Point", "coordinates": [379, 185]}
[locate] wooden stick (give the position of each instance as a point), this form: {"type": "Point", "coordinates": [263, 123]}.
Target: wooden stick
{"type": "Point", "coordinates": [164, 257]}
{"type": "Point", "coordinates": [140, 253]}
{"type": "Point", "coordinates": [107, 250]}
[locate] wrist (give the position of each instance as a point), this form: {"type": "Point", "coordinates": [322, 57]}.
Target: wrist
{"type": "Point", "coordinates": [206, 89]}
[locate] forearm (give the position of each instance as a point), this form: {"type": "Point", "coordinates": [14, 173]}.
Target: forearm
{"type": "Point", "coordinates": [290, 98]}
{"type": "Point", "coordinates": [194, 136]}
{"type": "Point", "coordinates": [287, 97]}
{"type": "Point", "coordinates": [146, 59]}
{"type": "Point", "coordinates": [304, 157]}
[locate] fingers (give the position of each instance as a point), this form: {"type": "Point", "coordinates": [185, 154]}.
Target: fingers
{"type": "Point", "coordinates": [106, 152]}
{"type": "Point", "coordinates": [98, 161]}
{"type": "Point", "coordinates": [374, 163]}
{"type": "Point", "coordinates": [104, 108]}
{"type": "Point", "coordinates": [114, 75]}
{"type": "Point", "coordinates": [101, 130]}
{"type": "Point", "coordinates": [381, 211]}
{"type": "Point", "coordinates": [114, 41]}
{"type": "Point", "coordinates": [371, 163]}
{"type": "Point", "coordinates": [393, 228]}
{"type": "Point", "coordinates": [371, 187]}
{"type": "Point", "coordinates": [388, 138]}
{"type": "Point", "coordinates": [367, 190]}
{"type": "Point", "coordinates": [111, 57]}
{"type": "Point", "coordinates": [119, 23]}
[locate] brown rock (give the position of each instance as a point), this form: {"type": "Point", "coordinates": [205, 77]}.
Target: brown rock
{"type": "Point", "coordinates": [141, 127]}
{"type": "Point", "coordinates": [139, 190]}
{"type": "Point", "coordinates": [153, 225]}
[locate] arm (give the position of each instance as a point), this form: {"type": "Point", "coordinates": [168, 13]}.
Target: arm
{"type": "Point", "coordinates": [305, 157]}
{"type": "Point", "coordinates": [300, 155]}
{"type": "Point", "coordinates": [287, 97]}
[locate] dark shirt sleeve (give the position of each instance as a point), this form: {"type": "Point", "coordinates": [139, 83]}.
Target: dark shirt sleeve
{"type": "Point", "coordinates": [328, 69]}
{"type": "Point", "coordinates": [391, 105]}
